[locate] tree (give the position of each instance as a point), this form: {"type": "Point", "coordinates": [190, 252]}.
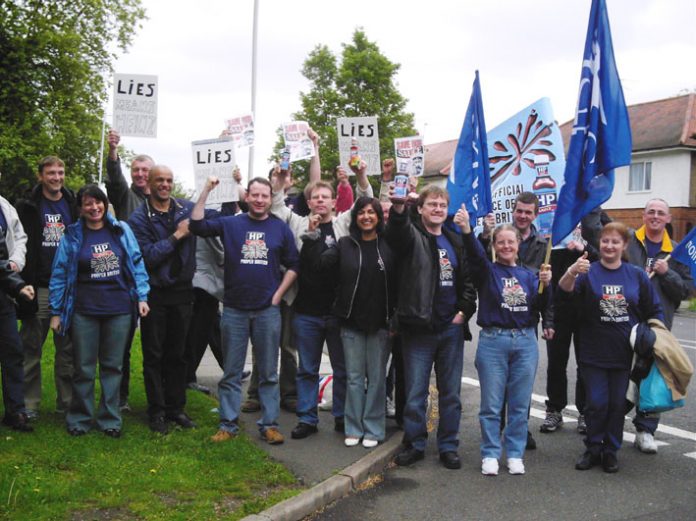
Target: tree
{"type": "Point", "coordinates": [55, 63]}
{"type": "Point", "coordinates": [362, 84]}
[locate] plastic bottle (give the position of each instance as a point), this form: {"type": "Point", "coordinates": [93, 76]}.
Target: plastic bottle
{"type": "Point", "coordinates": [544, 187]}
{"type": "Point", "coordinates": [354, 154]}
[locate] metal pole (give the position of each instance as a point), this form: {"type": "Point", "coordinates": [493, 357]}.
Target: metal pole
{"type": "Point", "coordinates": [253, 84]}
{"type": "Point", "coordinates": [101, 150]}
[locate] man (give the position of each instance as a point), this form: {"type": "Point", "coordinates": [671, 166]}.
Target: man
{"type": "Point", "coordinates": [531, 254]}
{"type": "Point", "coordinates": [161, 226]}
{"type": "Point", "coordinates": [256, 245]}
{"type": "Point", "coordinates": [125, 201]}
{"type": "Point", "coordinates": [124, 198]}
{"type": "Point", "coordinates": [647, 248]}
{"type": "Point", "coordinates": [45, 213]}
{"type": "Point", "coordinates": [436, 300]}
{"type": "Point", "coordinates": [313, 323]}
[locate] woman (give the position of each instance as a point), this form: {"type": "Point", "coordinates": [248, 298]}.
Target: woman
{"type": "Point", "coordinates": [364, 303]}
{"type": "Point", "coordinates": [97, 284]}
{"type": "Point", "coordinates": [507, 354]}
{"type": "Point", "coordinates": [607, 298]}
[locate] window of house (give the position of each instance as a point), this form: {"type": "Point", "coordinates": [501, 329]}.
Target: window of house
{"type": "Point", "coordinates": [639, 177]}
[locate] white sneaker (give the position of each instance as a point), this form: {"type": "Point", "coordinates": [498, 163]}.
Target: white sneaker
{"type": "Point", "coordinates": [645, 442]}
{"type": "Point", "coordinates": [515, 466]}
{"type": "Point", "coordinates": [368, 444]}
{"type": "Point", "coordinates": [489, 467]}
{"type": "Point", "coordinates": [350, 441]}
{"type": "Point", "coordinates": [391, 408]}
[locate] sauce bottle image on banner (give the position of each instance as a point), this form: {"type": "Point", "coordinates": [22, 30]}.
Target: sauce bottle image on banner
{"type": "Point", "coordinates": [544, 187]}
{"type": "Point", "coordinates": [354, 154]}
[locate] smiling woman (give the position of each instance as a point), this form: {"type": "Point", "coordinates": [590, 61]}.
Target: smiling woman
{"type": "Point", "coordinates": [97, 285]}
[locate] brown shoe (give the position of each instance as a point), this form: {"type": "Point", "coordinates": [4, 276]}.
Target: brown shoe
{"type": "Point", "coordinates": [221, 436]}
{"type": "Point", "coordinates": [272, 436]}
{"type": "Point", "coordinates": [251, 405]}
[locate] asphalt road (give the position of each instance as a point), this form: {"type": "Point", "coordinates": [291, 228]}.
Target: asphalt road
{"type": "Point", "coordinates": [650, 487]}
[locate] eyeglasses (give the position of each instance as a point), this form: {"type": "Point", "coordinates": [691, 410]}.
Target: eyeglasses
{"type": "Point", "coordinates": [659, 213]}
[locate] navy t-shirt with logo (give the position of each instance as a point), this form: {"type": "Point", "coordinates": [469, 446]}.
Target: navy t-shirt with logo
{"type": "Point", "coordinates": [55, 216]}
{"type": "Point", "coordinates": [101, 284]}
{"type": "Point", "coordinates": [445, 302]}
{"type": "Point", "coordinates": [610, 303]}
{"type": "Point", "coordinates": [3, 223]}
{"type": "Point", "coordinates": [652, 248]}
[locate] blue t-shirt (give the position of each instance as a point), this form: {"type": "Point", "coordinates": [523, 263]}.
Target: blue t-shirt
{"type": "Point", "coordinates": [3, 223]}
{"type": "Point", "coordinates": [652, 249]}
{"type": "Point", "coordinates": [508, 295]}
{"type": "Point", "coordinates": [254, 253]}
{"type": "Point", "coordinates": [55, 216]}
{"type": "Point", "coordinates": [101, 284]}
{"type": "Point", "coordinates": [609, 303]}
{"type": "Point", "coordinates": [445, 301]}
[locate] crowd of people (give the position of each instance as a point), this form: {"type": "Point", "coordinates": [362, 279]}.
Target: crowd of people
{"type": "Point", "coordinates": [370, 278]}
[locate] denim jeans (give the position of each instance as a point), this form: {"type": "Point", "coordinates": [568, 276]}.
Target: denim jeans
{"type": "Point", "coordinates": [310, 334]}
{"type": "Point", "coordinates": [605, 407]}
{"type": "Point", "coordinates": [33, 333]}
{"type": "Point", "coordinates": [506, 361]}
{"type": "Point", "coordinates": [103, 340]}
{"type": "Point", "coordinates": [444, 349]}
{"type": "Point", "coordinates": [366, 360]}
{"type": "Point", "coordinates": [237, 326]}
{"type": "Point", "coordinates": [11, 360]}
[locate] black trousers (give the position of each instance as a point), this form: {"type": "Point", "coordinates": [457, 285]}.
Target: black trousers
{"type": "Point", "coordinates": [558, 352]}
{"type": "Point", "coordinates": [163, 333]}
{"type": "Point", "coordinates": [11, 359]}
{"type": "Point", "coordinates": [204, 331]}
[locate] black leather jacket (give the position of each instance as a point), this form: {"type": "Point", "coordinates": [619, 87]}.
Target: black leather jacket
{"type": "Point", "coordinates": [419, 270]}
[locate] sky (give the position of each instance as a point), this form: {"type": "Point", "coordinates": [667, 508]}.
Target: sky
{"type": "Point", "coordinates": [524, 50]}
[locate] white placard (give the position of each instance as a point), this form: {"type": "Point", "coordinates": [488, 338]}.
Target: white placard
{"type": "Point", "coordinates": [297, 140]}
{"type": "Point", "coordinates": [241, 129]}
{"type": "Point", "coordinates": [410, 155]}
{"type": "Point", "coordinates": [366, 133]}
{"type": "Point", "coordinates": [135, 105]}
{"type": "Point", "coordinates": [215, 157]}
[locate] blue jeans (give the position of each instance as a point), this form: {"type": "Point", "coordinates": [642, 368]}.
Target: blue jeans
{"type": "Point", "coordinates": [97, 339]}
{"type": "Point", "coordinates": [506, 361]}
{"type": "Point", "coordinates": [445, 349]}
{"type": "Point", "coordinates": [605, 407]}
{"type": "Point", "coordinates": [310, 333]}
{"type": "Point", "coordinates": [366, 359]}
{"type": "Point", "coordinates": [237, 326]}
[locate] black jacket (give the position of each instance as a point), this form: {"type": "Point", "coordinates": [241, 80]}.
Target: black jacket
{"type": "Point", "coordinates": [346, 261]}
{"type": "Point", "coordinates": [419, 268]}
{"type": "Point", "coordinates": [30, 216]}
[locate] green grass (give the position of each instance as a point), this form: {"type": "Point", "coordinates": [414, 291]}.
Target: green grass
{"type": "Point", "coordinates": [143, 475]}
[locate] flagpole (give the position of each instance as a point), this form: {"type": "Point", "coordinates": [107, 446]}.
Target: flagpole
{"type": "Point", "coordinates": [254, 45]}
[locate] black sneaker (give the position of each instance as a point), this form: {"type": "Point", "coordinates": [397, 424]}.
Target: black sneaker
{"type": "Point", "coordinates": [531, 443]}
{"type": "Point", "coordinates": [157, 424]}
{"type": "Point", "coordinates": [18, 422]}
{"type": "Point", "coordinates": [408, 456]}
{"type": "Point", "coordinates": [450, 460]}
{"type": "Point", "coordinates": [302, 430]}
{"type": "Point", "coordinates": [340, 425]}
{"type": "Point", "coordinates": [582, 424]}
{"type": "Point", "coordinates": [76, 432]}
{"type": "Point", "coordinates": [587, 461]}
{"type": "Point", "coordinates": [182, 420]}
{"type": "Point", "coordinates": [552, 422]}
{"type": "Point", "coordinates": [112, 433]}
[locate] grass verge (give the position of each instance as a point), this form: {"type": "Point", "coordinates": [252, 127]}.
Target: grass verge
{"type": "Point", "coordinates": [49, 475]}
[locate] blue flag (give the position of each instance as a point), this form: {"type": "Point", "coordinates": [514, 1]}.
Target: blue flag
{"type": "Point", "coordinates": [470, 181]}
{"type": "Point", "coordinates": [685, 252]}
{"type": "Point", "coordinates": [601, 136]}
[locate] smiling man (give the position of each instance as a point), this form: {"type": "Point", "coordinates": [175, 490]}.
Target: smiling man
{"type": "Point", "coordinates": [45, 213]}
{"type": "Point", "coordinates": [161, 226]}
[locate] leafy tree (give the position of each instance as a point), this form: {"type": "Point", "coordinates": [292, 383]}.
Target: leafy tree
{"type": "Point", "coordinates": [362, 84]}
{"type": "Point", "coordinates": [55, 60]}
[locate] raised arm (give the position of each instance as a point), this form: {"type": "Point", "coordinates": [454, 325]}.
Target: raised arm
{"type": "Point", "coordinates": [315, 162]}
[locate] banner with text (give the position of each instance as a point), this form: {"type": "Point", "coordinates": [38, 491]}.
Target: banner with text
{"type": "Point", "coordinates": [215, 157]}
{"type": "Point", "coordinates": [366, 135]}
{"type": "Point", "coordinates": [525, 154]}
{"type": "Point", "coordinates": [135, 105]}
{"type": "Point", "coordinates": [241, 129]}
{"type": "Point", "coordinates": [297, 140]}
{"type": "Point", "coordinates": [410, 155]}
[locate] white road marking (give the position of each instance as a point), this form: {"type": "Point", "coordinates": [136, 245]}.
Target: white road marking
{"type": "Point", "coordinates": [537, 413]}
{"type": "Point", "coordinates": [690, 455]}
